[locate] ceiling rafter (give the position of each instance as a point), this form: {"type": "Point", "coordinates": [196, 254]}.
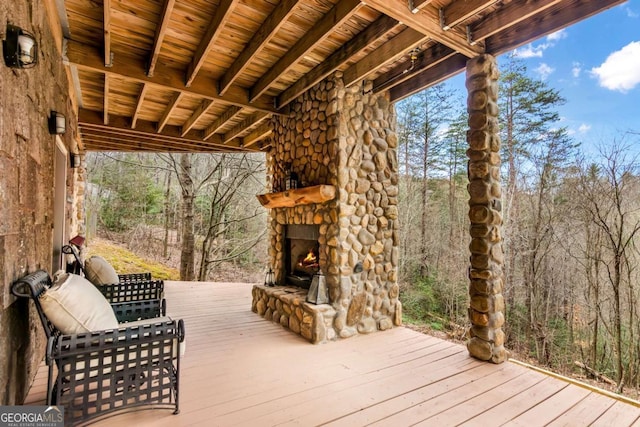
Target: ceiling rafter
{"type": "Point", "coordinates": [416, 5]}
{"type": "Point", "coordinates": [224, 9]}
{"type": "Point", "coordinates": [269, 27]}
{"type": "Point", "coordinates": [158, 38]}
{"type": "Point", "coordinates": [261, 132]}
{"type": "Point", "coordinates": [537, 26]}
{"type": "Point", "coordinates": [197, 113]}
{"type": "Point", "coordinates": [224, 118]}
{"type": "Point", "coordinates": [409, 68]}
{"type": "Point", "coordinates": [379, 28]}
{"type": "Point", "coordinates": [245, 125]}
{"type": "Point", "coordinates": [139, 102]}
{"type": "Point", "coordinates": [106, 12]}
{"type": "Point", "coordinates": [458, 11]}
{"type": "Point", "coordinates": [429, 77]}
{"type": "Point", "coordinates": [171, 106]}
{"type": "Point", "coordinates": [389, 52]}
{"type": "Point", "coordinates": [118, 128]}
{"type": "Point", "coordinates": [105, 100]}
{"type": "Point", "coordinates": [338, 14]}
{"type": "Point", "coordinates": [427, 21]}
{"type": "Point", "coordinates": [166, 78]}
{"type": "Point", "coordinates": [507, 16]}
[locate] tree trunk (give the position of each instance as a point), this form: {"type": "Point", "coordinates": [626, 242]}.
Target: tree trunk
{"type": "Point", "coordinates": [187, 254]}
{"type": "Point", "coordinates": [167, 205]}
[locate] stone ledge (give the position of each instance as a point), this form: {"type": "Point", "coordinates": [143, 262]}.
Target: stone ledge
{"type": "Point", "coordinates": [286, 305]}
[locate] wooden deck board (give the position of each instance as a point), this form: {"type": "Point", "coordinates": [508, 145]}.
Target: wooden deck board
{"type": "Point", "coordinates": [240, 369]}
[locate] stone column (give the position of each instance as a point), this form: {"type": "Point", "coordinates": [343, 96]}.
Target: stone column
{"type": "Point", "coordinates": [486, 310]}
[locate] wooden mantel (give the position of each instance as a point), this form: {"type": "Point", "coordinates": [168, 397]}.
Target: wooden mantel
{"type": "Point", "coordinates": [298, 196]}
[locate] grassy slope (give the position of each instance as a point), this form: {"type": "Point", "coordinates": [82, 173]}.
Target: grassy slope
{"type": "Point", "coordinates": [125, 261]}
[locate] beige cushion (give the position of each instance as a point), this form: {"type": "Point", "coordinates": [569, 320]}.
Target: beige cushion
{"type": "Point", "coordinates": [100, 272]}
{"type": "Point", "coordinates": [73, 305]}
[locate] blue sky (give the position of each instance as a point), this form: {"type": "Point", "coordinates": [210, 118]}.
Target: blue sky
{"type": "Point", "coordinates": [595, 64]}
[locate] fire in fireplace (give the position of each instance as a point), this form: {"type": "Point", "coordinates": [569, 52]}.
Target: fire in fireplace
{"type": "Point", "coordinates": [301, 254]}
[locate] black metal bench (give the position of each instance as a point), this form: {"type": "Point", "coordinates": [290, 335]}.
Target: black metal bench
{"type": "Point", "coordinates": [103, 372]}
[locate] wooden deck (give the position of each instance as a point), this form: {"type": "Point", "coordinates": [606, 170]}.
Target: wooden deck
{"type": "Point", "coordinates": [241, 370]}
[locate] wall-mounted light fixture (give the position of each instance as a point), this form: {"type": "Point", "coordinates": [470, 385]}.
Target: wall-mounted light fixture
{"type": "Point", "coordinates": [19, 48]}
{"type": "Point", "coordinates": [74, 160]}
{"type": "Point", "coordinates": [57, 123]}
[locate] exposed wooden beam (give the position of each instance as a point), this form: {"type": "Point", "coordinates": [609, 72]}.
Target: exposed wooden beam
{"type": "Point", "coordinates": [166, 115]}
{"type": "Point", "coordinates": [118, 128]}
{"type": "Point", "coordinates": [431, 76]}
{"type": "Point", "coordinates": [269, 27]}
{"type": "Point", "coordinates": [427, 21]}
{"type": "Point", "coordinates": [507, 16]}
{"type": "Point", "coordinates": [138, 105]}
{"type": "Point", "coordinates": [379, 28]}
{"type": "Point", "coordinates": [161, 30]}
{"type": "Point", "coordinates": [409, 68]}
{"type": "Point", "coordinates": [105, 100]}
{"type": "Point", "coordinates": [416, 5]}
{"type": "Point", "coordinates": [96, 140]}
{"type": "Point", "coordinates": [106, 20]}
{"type": "Point", "coordinates": [245, 125]}
{"type": "Point", "coordinates": [561, 15]}
{"type": "Point", "coordinates": [458, 11]}
{"type": "Point", "coordinates": [224, 9]}
{"type": "Point", "coordinates": [261, 132]}
{"type": "Point", "coordinates": [388, 53]}
{"type": "Point", "coordinates": [193, 119]}
{"type": "Point", "coordinates": [166, 78]}
{"type": "Point", "coordinates": [214, 127]}
{"type": "Point", "coordinates": [341, 12]}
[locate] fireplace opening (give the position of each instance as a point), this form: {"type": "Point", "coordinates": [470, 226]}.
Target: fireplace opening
{"type": "Point", "coordinates": [301, 254]}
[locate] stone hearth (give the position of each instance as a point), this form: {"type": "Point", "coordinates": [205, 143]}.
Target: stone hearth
{"type": "Point", "coordinates": [345, 138]}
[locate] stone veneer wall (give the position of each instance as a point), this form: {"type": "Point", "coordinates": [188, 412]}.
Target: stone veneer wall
{"type": "Point", "coordinates": [344, 137]}
{"type": "Point", "coordinates": [487, 303]}
{"type": "Point", "coordinates": [26, 189]}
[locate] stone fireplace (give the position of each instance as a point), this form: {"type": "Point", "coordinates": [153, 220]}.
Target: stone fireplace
{"type": "Point", "coordinates": [342, 139]}
{"type": "Point", "coordinates": [301, 254]}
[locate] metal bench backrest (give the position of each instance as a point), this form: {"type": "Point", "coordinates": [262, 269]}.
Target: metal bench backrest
{"type": "Point", "coordinates": [33, 286]}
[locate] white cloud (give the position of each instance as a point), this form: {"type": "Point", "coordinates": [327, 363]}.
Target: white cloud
{"type": "Point", "coordinates": [544, 70]}
{"type": "Point", "coordinates": [621, 70]}
{"type": "Point", "coordinates": [576, 69]}
{"type": "Point", "coordinates": [630, 12]}
{"type": "Point", "coordinates": [558, 35]}
{"type": "Point", "coordinates": [584, 128]}
{"type": "Point", "coordinates": [531, 51]}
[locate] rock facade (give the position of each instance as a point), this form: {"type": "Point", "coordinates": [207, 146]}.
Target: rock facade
{"type": "Point", "coordinates": [344, 137]}
{"type": "Point", "coordinates": [27, 153]}
{"type": "Point", "coordinates": [486, 310]}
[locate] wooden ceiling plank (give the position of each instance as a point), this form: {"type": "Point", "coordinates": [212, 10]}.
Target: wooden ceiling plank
{"type": "Point", "coordinates": [340, 13]}
{"type": "Point", "coordinates": [404, 71]}
{"type": "Point", "coordinates": [458, 11]}
{"type": "Point", "coordinates": [224, 9]}
{"type": "Point", "coordinates": [506, 16]}
{"type": "Point", "coordinates": [536, 27]}
{"type": "Point", "coordinates": [98, 141]}
{"type": "Point", "coordinates": [389, 52]}
{"type": "Point", "coordinates": [105, 101]}
{"type": "Point", "coordinates": [228, 114]}
{"type": "Point", "coordinates": [175, 100]}
{"type": "Point", "coordinates": [193, 119]}
{"type": "Point", "coordinates": [267, 30]}
{"type": "Point", "coordinates": [261, 132]}
{"type": "Point", "coordinates": [106, 5]}
{"type": "Point", "coordinates": [379, 28]}
{"type": "Point", "coordinates": [139, 105]}
{"type": "Point", "coordinates": [427, 21]}
{"type": "Point", "coordinates": [246, 124]}
{"type": "Point", "coordinates": [431, 76]}
{"type": "Point", "coordinates": [166, 78]}
{"type": "Point", "coordinates": [90, 120]}
{"type": "Point", "coordinates": [416, 5]}
{"type": "Point", "coordinates": [161, 30]}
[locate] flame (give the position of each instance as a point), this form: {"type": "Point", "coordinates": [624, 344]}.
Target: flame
{"type": "Point", "coordinates": [310, 258]}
